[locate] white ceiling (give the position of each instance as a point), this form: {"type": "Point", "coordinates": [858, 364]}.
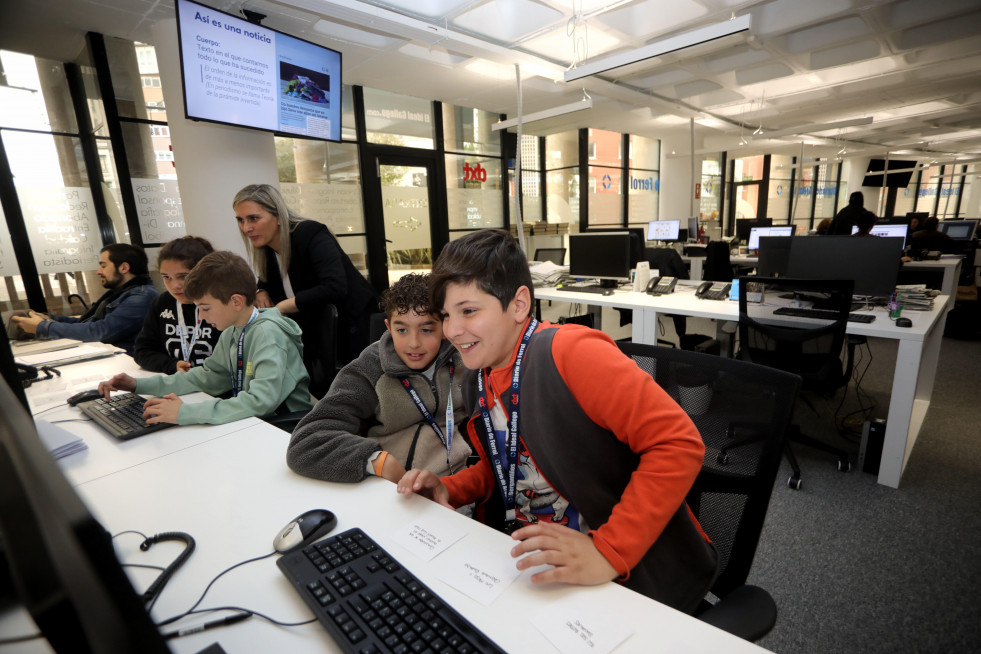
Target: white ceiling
{"type": "Point", "coordinates": [914, 66]}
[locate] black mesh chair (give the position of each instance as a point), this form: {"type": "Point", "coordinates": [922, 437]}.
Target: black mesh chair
{"type": "Point", "coordinates": [810, 347]}
{"type": "Point", "coordinates": [729, 399]}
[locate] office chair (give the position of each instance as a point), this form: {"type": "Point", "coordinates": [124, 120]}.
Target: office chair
{"type": "Point", "coordinates": [726, 399]}
{"type": "Point", "coordinates": [555, 255]}
{"type": "Point", "coordinates": [376, 326]}
{"type": "Point", "coordinates": [668, 263]}
{"type": "Point", "coordinates": [718, 267]}
{"type": "Point", "coordinates": [812, 350]}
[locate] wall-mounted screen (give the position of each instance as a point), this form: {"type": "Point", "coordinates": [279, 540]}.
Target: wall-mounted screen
{"type": "Point", "coordinates": [242, 74]}
{"type": "Point", "coordinates": [663, 230]}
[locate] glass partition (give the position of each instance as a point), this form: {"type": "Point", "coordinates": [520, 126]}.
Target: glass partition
{"type": "Point", "coordinates": [473, 192]}
{"type": "Point", "coordinates": [395, 119]}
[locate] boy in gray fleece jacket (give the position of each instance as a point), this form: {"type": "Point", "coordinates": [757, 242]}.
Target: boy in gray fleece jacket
{"type": "Point", "coordinates": [396, 406]}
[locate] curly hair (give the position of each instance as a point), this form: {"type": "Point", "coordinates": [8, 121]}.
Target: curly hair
{"type": "Point", "coordinates": [410, 293]}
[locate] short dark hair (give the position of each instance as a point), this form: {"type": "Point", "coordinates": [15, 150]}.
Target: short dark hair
{"type": "Point", "coordinates": [865, 221]}
{"type": "Point", "coordinates": [409, 293]}
{"type": "Point", "coordinates": [931, 224]}
{"type": "Point", "coordinates": [490, 257]}
{"type": "Point", "coordinates": [186, 249]}
{"type": "Point", "coordinates": [120, 253]}
{"type": "Point", "coordinates": [221, 275]}
{"type": "Point", "coordinates": [857, 198]}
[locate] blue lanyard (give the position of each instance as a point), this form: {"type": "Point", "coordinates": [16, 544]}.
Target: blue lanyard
{"type": "Point", "coordinates": [448, 439]}
{"type": "Point", "coordinates": [238, 376]}
{"type": "Point", "coordinates": [507, 481]}
{"type": "Point", "coordinates": [186, 349]}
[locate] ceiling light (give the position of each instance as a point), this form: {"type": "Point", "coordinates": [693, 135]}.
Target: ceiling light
{"type": "Point", "coordinates": [823, 127]}
{"type": "Point", "coordinates": [585, 103]}
{"type": "Point", "coordinates": [661, 47]}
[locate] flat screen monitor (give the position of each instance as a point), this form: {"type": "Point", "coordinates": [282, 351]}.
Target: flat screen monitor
{"type": "Point", "coordinates": [239, 73]}
{"type": "Point", "coordinates": [959, 230]}
{"type": "Point", "coordinates": [637, 240]}
{"type": "Point", "coordinates": [892, 231]}
{"type": "Point", "coordinates": [756, 232]}
{"type": "Point", "coordinates": [692, 228]}
{"type": "Point", "coordinates": [874, 174]}
{"type": "Point", "coordinates": [63, 563]}
{"type": "Point", "coordinates": [774, 256]}
{"type": "Point", "coordinates": [600, 255]}
{"type": "Point", "coordinates": [872, 263]}
{"type": "Point", "coordinates": [745, 225]}
{"type": "Point", "coordinates": [663, 230]}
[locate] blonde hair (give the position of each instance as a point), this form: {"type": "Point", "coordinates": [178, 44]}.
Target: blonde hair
{"type": "Point", "coordinates": [269, 198]}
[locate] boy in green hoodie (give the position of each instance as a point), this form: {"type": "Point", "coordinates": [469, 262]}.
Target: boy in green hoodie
{"type": "Point", "coordinates": [258, 358]}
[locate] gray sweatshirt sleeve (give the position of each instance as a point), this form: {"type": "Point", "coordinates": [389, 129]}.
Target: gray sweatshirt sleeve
{"type": "Point", "coordinates": [328, 443]}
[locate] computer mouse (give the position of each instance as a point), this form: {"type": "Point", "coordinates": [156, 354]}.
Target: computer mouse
{"type": "Point", "coordinates": [84, 396]}
{"type": "Point", "coordinates": [304, 529]}
{"type": "Point", "coordinates": [904, 322]}
{"type": "Point", "coordinates": [608, 291]}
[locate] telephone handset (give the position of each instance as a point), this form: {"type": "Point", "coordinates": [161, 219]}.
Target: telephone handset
{"type": "Point", "coordinates": [27, 374]}
{"type": "Point", "coordinates": [661, 285]}
{"type": "Point", "coordinates": [713, 290]}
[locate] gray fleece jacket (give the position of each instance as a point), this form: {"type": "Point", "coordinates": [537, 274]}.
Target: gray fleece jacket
{"type": "Point", "coordinates": [367, 409]}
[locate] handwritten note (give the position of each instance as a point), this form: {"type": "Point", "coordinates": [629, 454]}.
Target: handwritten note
{"type": "Point", "coordinates": [576, 626]}
{"type": "Point", "coordinates": [480, 573]}
{"type": "Point", "coordinates": [428, 538]}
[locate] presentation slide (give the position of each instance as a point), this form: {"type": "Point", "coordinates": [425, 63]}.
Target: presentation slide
{"type": "Point", "coordinates": [663, 230]}
{"type": "Point", "coordinates": [244, 74]}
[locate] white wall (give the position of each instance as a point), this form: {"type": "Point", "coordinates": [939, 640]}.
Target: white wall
{"type": "Point", "coordinates": [213, 161]}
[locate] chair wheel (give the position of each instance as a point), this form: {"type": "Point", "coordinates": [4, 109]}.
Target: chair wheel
{"type": "Point", "coordinates": [722, 458]}
{"type": "Point", "coordinates": [844, 466]}
{"type": "Point", "coordinates": [794, 483]}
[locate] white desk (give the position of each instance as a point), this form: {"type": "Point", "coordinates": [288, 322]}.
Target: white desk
{"type": "Point", "coordinates": [949, 265]}
{"type": "Point", "coordinates": [913, 376]}
{"type": "Point", "coordinates": [233, 492]}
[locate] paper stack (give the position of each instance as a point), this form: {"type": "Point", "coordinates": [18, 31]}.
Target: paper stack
{"type": "Point", "coordinates": [58, 441]}
{"type": "Point", "coordinates": [547, 273]}
{"type": "Point", "coordinates": [916, 297]}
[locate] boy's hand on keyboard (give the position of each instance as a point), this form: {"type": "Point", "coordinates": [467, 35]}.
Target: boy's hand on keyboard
{"type": "Point", "coordinates": [121, 382]}
{"type": "Point", "coordinates": [162, 409]}
{"type": "Point", "coordinates": [574, 558]}
{"type": "Point", "coordinates": [425, 483]}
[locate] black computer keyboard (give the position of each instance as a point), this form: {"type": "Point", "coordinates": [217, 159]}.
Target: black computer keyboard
{"type": "Point", "coordinates": [122, 416]}
{"type": "Point", "coordinates": [825, 314]}
{"type": "Point", "coordinates": [592, 288]}
{"type": "Point", "coordinates": [369, 603]}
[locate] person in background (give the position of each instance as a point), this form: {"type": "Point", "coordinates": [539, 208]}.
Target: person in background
{"type": "Point", "coordinates": [931, 230]}
{"type": "Point", "coordinates": [301, 268]}
{"type": "Point", "coordinates": [258, 358]}
{"type": "Point", "coordinates": [584, 460]}
{"type": "Point", "coordinates": [117, 316]}
{"type": "Point", "coordinates": [864, 222]}
{"type": "Point", "coordinates": [174, 337]}
{"type": "Point", "coordinates": [388, 409]}
{"type": "Point", "coordinates": [845, 219]}
{"type": "Point", "coordinates": [823, 227]}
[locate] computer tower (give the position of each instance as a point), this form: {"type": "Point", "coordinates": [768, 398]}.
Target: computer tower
{"type": "Point", "coordinates": [870, 450]}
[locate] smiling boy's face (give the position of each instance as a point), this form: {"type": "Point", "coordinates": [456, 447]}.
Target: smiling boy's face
{"type": "Point", "coordinates": [417, 338]}
{"type": "Point", "coordinates": [483, 332]}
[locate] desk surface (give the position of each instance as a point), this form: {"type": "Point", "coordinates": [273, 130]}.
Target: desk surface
{"type": "Point", "coordinates": [231, 489]}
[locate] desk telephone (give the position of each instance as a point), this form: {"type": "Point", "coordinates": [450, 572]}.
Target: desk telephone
{"type": "Point", "coordinates": [713, 290]}
{"type": "Point", "coordinates": [661, 285]}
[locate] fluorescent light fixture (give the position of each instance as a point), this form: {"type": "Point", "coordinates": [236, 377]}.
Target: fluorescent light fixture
{"type": "Point", "coordinates": [579, 105]}
{"type": "Point", "coordinates": [661, 47]}
{"type": "Point", "coordinates": [822, 127]}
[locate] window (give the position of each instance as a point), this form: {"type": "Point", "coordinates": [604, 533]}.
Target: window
{"type": "Point", "coordinates": [150, 81]}
{"type": "Point", "coordinates": [163, 155]}
{"type": "Point", "coordinates": [160, 131]}
{"type": "Point", "coordinates": [395, 119]}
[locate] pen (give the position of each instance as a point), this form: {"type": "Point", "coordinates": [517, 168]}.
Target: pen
{"type": "Point", "coordinates": [232, 619]}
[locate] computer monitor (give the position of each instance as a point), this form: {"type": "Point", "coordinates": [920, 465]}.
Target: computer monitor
{"type": "Point", "coordinates": [10, 373]}
{"type": "Point", "coordinates": [692, 228]}
{"type": "Point", "coordinates": [959, 230]}
{"type": "Point", "coordinates": [774, 256]}
{"type": "Point", "coordinates": [889, 231]}
{"type": "Point", "coordinates": [62, 561]}
{"type": "Point", "coordinates": [756, 232]}
{"type": "Point", "coordinates": [637, 240]}
{"type": "Point", "coordinates": [873, 263]}
{"type": "Point", "coordinates": [663, 230]}
{"type": "Point", "coordinates": [600, 255]}
{"type": "Point", "coordinates": [745, 225]}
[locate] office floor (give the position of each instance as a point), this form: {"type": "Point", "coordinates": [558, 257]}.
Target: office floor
{"type": "Point", "coordinates": [859, 567]}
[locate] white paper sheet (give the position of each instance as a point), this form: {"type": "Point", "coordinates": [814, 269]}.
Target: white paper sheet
{"type": "Point", "coordinates": [577, 626]}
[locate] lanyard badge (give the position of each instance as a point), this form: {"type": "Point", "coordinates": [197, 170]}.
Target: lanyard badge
{"type": "Point", "coordinates": [238, 370]}
{"type": "Point", "coordinates": [505, 465]}
{"type": "Point", "coordinates": [447, 440]}
{"type": "Point", "coordinates": [187, 348]}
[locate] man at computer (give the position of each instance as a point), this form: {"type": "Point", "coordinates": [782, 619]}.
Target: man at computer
{"type": "Point", "coordinates": [117, 316]}
{"type": "Point", "coordinates": [845, 219]}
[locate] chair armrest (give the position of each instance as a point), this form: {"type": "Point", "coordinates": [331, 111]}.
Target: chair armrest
{"type": "Point", "coordinates": [748, 612]}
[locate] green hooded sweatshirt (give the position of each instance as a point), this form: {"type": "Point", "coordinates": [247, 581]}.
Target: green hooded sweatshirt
{"type": "Point", "coordinates": [273, 373]}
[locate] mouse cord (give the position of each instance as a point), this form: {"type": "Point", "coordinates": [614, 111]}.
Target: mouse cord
{"type": "Point", "coordinates": [208, 587]}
